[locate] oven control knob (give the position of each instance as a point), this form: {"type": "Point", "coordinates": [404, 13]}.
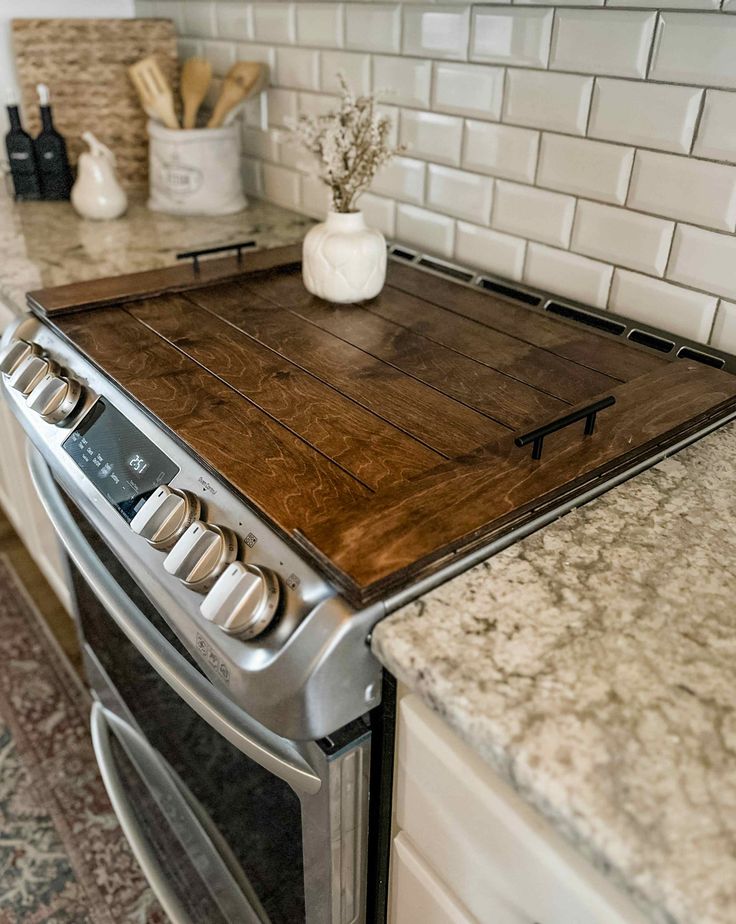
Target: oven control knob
{"type": "Point", "coordinates": [166, 516]}
{"type": "Point", "coordinates": [243, 601]}
{"type": "Point", "coordinates": [30, 372]}
{"type": "Point", "coordinates": [202, 554]}
{"type": "Point", "coordinates": [16, 352]}
{"type": "Point", "coordinates": [55, 397]}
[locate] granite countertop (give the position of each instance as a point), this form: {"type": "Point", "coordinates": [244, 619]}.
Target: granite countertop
{"type": "Point", "coordinates": [593, 665]}
{"type": "Point", "coordinates": [47, 243]}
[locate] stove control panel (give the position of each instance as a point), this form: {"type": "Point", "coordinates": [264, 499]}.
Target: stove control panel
{"type": "Point", "coordinates": [202, 554]}
{"type": "Point", "coordinates": [244, 600]}
{"type": "Point", "coordinates": [166, 516]}
{"type": "Point", "coordinates": [48, 391]}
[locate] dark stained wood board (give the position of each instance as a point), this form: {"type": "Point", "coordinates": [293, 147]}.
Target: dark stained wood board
{"type": "Point", "coordinates": [380, 438]}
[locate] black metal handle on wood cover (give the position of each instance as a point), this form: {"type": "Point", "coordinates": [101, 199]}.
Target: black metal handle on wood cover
{"type": "Point", "coordinates": [589, 413]}
{"type": "Point", "coordinates": [194, 255]}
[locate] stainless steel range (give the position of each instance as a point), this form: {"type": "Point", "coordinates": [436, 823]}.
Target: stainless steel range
{"type": "Point", "coordinates": [233, 540]}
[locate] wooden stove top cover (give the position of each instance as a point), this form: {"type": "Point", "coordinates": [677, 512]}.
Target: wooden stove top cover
{"type": "Point", "coordinates": [379, 437]}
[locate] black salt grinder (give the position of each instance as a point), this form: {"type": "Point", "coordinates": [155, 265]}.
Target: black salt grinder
{"type": "Point", "coordinates": [51, 155]}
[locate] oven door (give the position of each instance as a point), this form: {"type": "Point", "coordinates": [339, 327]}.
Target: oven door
{"type": "Point", "coordinates": [230, 823]}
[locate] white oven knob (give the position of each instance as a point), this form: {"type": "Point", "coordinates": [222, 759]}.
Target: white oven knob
{"type": "Point", "coordinates": [55, 397]}
{"type": "Point", "coordinates": [16, 352]}
{"type": "Point", "coordinates": [202, 554]}
{"type": "Point", "coordinates": [30, 372]}
{"type": "Point", "coordinates": [166, 516]}
{"type": "Point", "coordinates": [243, 601]}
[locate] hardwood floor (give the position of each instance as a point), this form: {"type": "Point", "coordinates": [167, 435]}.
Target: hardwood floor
{"type": "Point", "coordinates": [56, 617]}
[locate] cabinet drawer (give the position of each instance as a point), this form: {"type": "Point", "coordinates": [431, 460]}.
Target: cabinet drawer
{"type": "Point", "coordinates": [487, 845]}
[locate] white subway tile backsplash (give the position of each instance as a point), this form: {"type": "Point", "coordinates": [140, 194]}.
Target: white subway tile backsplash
{"type": "Point", "coordinates": [281, 185]}
{"type": "Point", "coordinates": [724, 329]}
{"type": "Point", "coordinates": [717, 132]}
{"type": "Point", "coordinates": [671, 4]}
{"type": "Point", "coordinates": [436, 31]}
{"type": "Point", "coordinates": [614, 42]}
{"type": "Point", "coordinates": [431, 135]}
{"type": "Point", "coordinates": [373, 27]}
{"type": "Point", "coordinates": [695, 48]}
{"type": "Point", "coordinates": [316, 104]}
{"type": "Point", "coordinates": [314, 197]}
{"type": "Point", "coordinates": [424, 229]}
{"type": "Point", "coordinates": [320, 25]}
{"type": "Point", "coordinates": [402, 178]}
{"type": "Point", "coordinates": [297, 67]}
{"type": "Point", "coordinates": [501, 150]}
{"type": "Point", "coordinates": [221, 55]}
{"type": "Point", "coordinates": [355, 68]}
{"type": "Point", "coordinates": [404, 81]}
{"type": "Point", "coordinates": [189, 48]}
{"type": "Point", "coordinates": [379, 213]}
{"type": "Point", "coordinates": [169, 9]}
{"type": "Point", "coordinates": [274, 22]}
{"type": "Point", "coordinates": [623, 237]}
{"type": "Point", "coordinates": [517, 35]}
{"type": "Point", "coordinates": [199, 18]}
{"type": "Point", "coordinates": [257, 143]}
{"type": "Point", "coordinates": [459, 193]}
{"type": "Point", "coordinates": [282, 106]}
{"type": "Point", "coordinates": [647, 114]}
{"type": "Point", "coordinates": [250, 171]}
{"type": "Point", "coordinates": [651, 301]}
{"type": "Point", "coordinates": [682, 187]}
{"type": "Point", "coordinates": [533, 213]}
{"type": "Point", "coordinates": [468, 89]}
{"type": "Point", "coordinates": [704, 260]}
{"type": "Point", "coordinates": [567, 274]}
{"type": "Point", "coordinates": [252, 52]}
{"type": "Point", "coordinates": [234, 21]}
{"type": "Point", "coordinates": [586, 168]}
{"type": "Point", "coordinates": [559, 102]}
{"type": "Point", "coordinates": [489, 251]}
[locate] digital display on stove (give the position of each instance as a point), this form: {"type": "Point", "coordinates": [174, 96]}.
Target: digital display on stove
{"type": "Point", "coordinates": [122, 463]}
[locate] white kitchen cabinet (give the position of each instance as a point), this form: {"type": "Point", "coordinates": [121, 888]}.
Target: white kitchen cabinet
{"type": "Point", "coordinates": [465, 841]}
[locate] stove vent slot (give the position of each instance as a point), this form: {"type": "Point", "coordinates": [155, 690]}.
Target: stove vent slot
{"type": "Point", "coordinates": [454, 271]}
{"type": "Point", "coordinates": [705, 358]}
{"type": "Point", "coordinates": [509, 292]}
{"type": "Point", "coordinates": [584, 317]}
{"type": "Point", "coordinates": [402, 254]}
{"type": "Point", "coordinates": [651, 340]}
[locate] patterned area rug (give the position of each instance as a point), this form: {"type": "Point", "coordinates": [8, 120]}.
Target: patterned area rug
{"type": "Point", "coordinates": [63, 858]}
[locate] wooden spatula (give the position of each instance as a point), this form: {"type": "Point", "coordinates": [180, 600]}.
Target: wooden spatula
{"type": "Point", "coordinates": [240, 81]}
{"type": "Point", "coordinates": [196, 75]}
{"type": "Point", "coordinates": [154, 90]}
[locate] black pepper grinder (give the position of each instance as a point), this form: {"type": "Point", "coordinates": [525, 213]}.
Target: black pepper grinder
{"type": "Point", "coordinates": [22, 157]}
{"type": "Point", "coordinates": [51, 155]}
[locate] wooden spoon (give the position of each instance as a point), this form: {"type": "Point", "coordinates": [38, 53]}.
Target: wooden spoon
{"type": "Point", "coordinates": [196, 75]}
{"type": "Point", "coordinates": [239, 82]}
{"type": "Point", "coordinates": [154, 90]}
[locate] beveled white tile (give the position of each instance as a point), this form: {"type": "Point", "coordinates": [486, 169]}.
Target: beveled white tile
{"type": "Point", "coordinates": [292, 154]}
{"type": "Point", "coordinates": [274, 22]}
{"type": "Point", "coordinates": [468, 89]}
{"type": "Point", "coordinates": [379, 213]}
{"type": "Point", "coordinates": [425, 230]}
{"type": "Point", "coordinates": [314, 198]}
{"type": "Point", "coordinates": [281, 185]}
{"type": "Point", "coordinates": [250, 172]}
{"type": "Point", "coordinates": [704, 260]}
{"type": "Point", "coordinates": [431, 135]}
{"type": "Point", "coordinates": [402, 178]}
{"type": "Point", "coordinates": [266, 54]}
{"type": "Point", "coordinates": [672, 308]}
{"type": "Point", "coordinates": [281, 106]}
{"type": "Point", "coordinates": [354, 67]}
{"type": "Point", "coordinates": [257, 143]}
{"type": "Point", "coordinates": [586, 168]}
{"type": "Point", "coordinates": [221, 56]}
{"type": "Point", "coordinates": [501, 150]}
{"type": "Point", "coordinates": [533, 213]}
{"type": "Point", "coordinates": [647, 114]}
{"type": "Point", "coordinates": [234, 21]}
{"type": "Point", "coordinates": [320, 25]}
{"type": "Point", "coordinates": [695, 48]}
{"type": "Point", "coordinates": [682, 187]}
{"type": "Point", "coordinates": [558, 102]}
{"type": "Point", "coordinates": [717, 130]}
{"type": "Point", "coordinates": [614, 42]}
{"type": "Point", "coordinates": [316, 104]}
{"type": "Point", "coordinates": [199, 18]}
{"type": "Point", "coordinates": [189, 48]}
{"type": "Point", "coordinates": [489, 251]}
{"type": "Point", "coordinates": [373, 27]}
{"type": "Point", "coordinates": [518, 35]}
{"type": "Point", "coordinates": [567, 274]}
{"type": "Point", "coordinates": [297, 67]}
{"type": "Point", "coordinates": [437, 31]}
{"type": "Point", "coordinates": [670, 4]}
{"type": "Point", "coordinates": [459, 193]}
{"type": "Point", "coordinates": [404, 81]}
{"type": "Point", "coordinates": [170, 9]}
{"type": "Point", "coordinates": [724, 329]}
{"type": "Point", "coordinates": [623, 237]}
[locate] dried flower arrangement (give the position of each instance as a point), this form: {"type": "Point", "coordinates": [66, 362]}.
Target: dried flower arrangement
{"type": "Point", "coordinates": [350, 143]}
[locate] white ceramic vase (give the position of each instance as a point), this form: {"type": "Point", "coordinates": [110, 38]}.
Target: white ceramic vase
{"type": "Point", "coordinates": [343, 259]}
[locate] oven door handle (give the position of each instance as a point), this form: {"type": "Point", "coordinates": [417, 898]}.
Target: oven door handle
{"type": "Point", "coordinates": [286, 759]}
